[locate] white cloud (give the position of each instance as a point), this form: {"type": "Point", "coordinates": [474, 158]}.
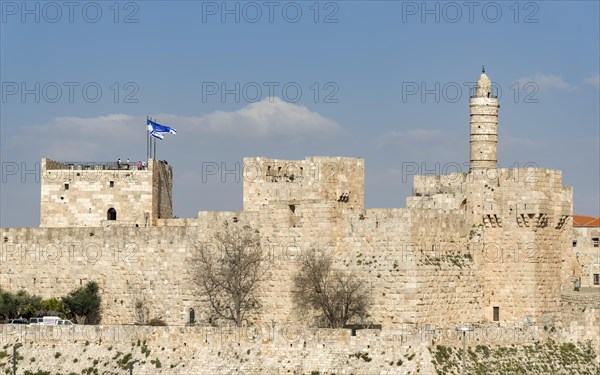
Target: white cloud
{"type": "Point", "coordinates": [81, 138]}
{"type": "Point", "coordinates": [73, 138]}
{"type": "Point", "coordinates": [267, 118]}
{"type": "Point", "coordinates": [593, 80]}
{"type": "Point", "coordinates": [546, 82]}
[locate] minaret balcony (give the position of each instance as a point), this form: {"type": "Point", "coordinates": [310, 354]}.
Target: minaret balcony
{"type": "Point", "coordinates": [491, 96]}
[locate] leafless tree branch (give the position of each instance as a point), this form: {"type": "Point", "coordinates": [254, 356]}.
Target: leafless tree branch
{"type": "Point", "coordinates": [229, 271]}
{"type": "Point", "coordinates": [336, 296]}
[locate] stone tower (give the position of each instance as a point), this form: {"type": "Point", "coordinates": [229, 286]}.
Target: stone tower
{"type": "Point", "coordinates": [484, 125]}
{"type": "Point", "coordinates": [88, 194]}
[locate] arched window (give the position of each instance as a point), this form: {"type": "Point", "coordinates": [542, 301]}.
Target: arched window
{"type": "Point", "coordinates": [111, 214]}
{"type": "Point", "coordinates": [192, 316]}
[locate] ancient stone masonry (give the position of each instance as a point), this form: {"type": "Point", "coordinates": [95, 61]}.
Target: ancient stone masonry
{"type": "Point", "coordinates": [581, 316]}
{"type": "Point", "coordinates": [484, 125]}
{"type": "Point", "coordinates": [334, 181]}
{"type": "Point", "coordinates": [484, 246]}
{"type": "Point", "coordinates": [277, 349]}
{"type": "Point", "coordinates": [98, 194]}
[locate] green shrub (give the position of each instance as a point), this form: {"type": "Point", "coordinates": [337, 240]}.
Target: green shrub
{"type": "Point", "coordinates": [53, 306]}
{"type": "Point", "coordinates": [84, 303]}
{"type": "Point", "coordinates": [365, 356]}
{"type": "Point", "coordinates": [20, 304]}
{"type": "Point", "coordinates": [124, 361]}
{"type": "Point", "coordinates": [156, 363]}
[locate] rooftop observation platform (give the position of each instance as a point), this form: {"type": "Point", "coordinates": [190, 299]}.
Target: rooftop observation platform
{"type": "Point", "coordinates": [97, 165]}
{"type": "Point", "coordinates": [82, 165]}
{"type": "Point", "coordinates": [80, 193]}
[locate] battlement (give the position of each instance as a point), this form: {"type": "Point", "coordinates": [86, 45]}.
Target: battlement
{"type": "Point", "coordinates": [426, 185]}
{"type": "Point", "coordinates": [530, 178]}
{"type": "Point", "coordinates": [95, 194]}
{"type": "Point", "coordinates": [337, 181]}
{"type": "Point", "coordinates": [523, 197]}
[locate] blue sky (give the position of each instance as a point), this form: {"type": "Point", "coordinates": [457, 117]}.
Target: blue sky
{"type": "Point", "coordinates": [355, 63]}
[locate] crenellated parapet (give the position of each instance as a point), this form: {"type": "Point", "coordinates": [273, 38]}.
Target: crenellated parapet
{"type": "Point", "coordinates": [336, 181]}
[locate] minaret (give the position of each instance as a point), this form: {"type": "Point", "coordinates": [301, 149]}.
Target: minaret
{"type": "Point", "coordinates": [484, 125]}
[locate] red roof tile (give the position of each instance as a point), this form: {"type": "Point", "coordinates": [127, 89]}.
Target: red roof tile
{"type": "Point", "coordinates": [586, 221]}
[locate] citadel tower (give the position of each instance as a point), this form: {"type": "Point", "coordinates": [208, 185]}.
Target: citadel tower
{"type": "Point", "coordinates": [93, 194]}
{"type": "Point", "coordinates": [484, 125]}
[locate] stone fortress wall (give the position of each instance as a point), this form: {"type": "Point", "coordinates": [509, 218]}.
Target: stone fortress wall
{"type": "Point", "coordinates": [485, 246]}
{"type": "Point", "coordinates": [435, 262]}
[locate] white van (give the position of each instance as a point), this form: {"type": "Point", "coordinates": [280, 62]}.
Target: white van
{"type": "Point", "coordinates": [50, 320]}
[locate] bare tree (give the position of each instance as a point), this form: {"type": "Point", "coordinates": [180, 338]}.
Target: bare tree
{"type": "Point", "coordinates": [229, 272]}
{"type": "Point", "coordinates": [139, 300]}
{"type": "Point", "coordinates": [337, 296]}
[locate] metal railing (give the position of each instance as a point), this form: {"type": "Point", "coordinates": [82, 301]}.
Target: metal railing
{"type": "Point", "coordinates": [83, 166]}
{"type": "Point", "coordinates": [488, 97]}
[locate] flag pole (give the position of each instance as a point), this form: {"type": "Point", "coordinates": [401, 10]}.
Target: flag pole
{"type": "Point", "coordinates": [147, 139]}
{"type": "Point", "coordinates": [151, 142]}
{"type": "Point", "coordinates": [155, 144]}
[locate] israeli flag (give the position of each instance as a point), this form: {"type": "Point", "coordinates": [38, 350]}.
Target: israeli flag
{"type": "Point", "coordinates": [157, 135]}
{"type": "Point", "coordinates": [158, 128]}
